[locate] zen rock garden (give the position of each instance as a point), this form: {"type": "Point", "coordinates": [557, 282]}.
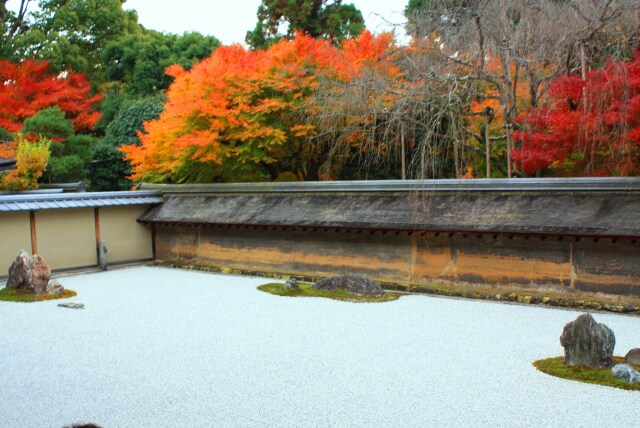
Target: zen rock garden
{"type": "Point", "coordinates": [33, 274]}
{"type": "Point", "coordinates": [352, 287]}
{"type": "Point", "coordinates": [30, 280]}
{"type": "Point", "coordinates": [590, 344]}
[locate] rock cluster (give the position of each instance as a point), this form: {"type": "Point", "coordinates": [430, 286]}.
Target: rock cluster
{"type": "Point", "coordinates": [625, 372]}
{"type": "Point", "coordinates": [587, 343]}
{"type": "Point", "coordinates": [352, 283]}
{"type": "Point", "coordinates": [32, 273]}
{"type": "Point", "coordinates": [291, 284]}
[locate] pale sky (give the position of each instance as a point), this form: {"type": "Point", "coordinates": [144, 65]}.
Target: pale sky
{"type": "Point", "coordinates": [229, 20]}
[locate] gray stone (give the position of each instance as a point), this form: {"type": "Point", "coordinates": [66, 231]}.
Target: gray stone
{"type": "Point", "coordinates": [352, 283]}
{"type": "Point", "coordinates": [29, 273]}
{"type": "Point", "coordinates": [291, 284]}
{"type": "Point", "coordinates": [587, 343]}
{"type": "Point", "coordinates": [102, 252]}
{"type": "Point", "coordinates": [54, 287]}
{"type": "Point", "coordinates": [633, 356]}
{"type": "Point", "coordinates": [625, 372]}
{"type": "Point", "coordinates": [72, 305]}
{"type": "Point", "coordinates": [614, 308]}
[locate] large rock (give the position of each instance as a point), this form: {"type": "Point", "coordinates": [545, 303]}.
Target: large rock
{"type": "Point", "coordinates": [352, 283]}
{"type": "Point", "coordinates": [587, 343]}
{"type": "Point", "coordinates": [633, 356]}
{"type": "Point", "coordinates": [625, 372]}
{"type": "Point", "coordinates": [32, 273]}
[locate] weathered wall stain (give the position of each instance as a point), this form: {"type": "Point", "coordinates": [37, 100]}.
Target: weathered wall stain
{"type": "Point", "coordinates": [415, 259]}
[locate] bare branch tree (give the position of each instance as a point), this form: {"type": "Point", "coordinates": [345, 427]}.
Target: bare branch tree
{"type": "Point", "coordinates": [14, 25]}
{"type": "Point", "coordinates": [466, 52]}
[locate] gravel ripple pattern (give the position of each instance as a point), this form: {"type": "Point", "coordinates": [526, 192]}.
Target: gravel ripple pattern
{"type": "Point", "coordinates": [172, 348]}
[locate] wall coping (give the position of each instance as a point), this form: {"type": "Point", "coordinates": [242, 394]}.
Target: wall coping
{"type": "Point", "coordinates": [580, 184]}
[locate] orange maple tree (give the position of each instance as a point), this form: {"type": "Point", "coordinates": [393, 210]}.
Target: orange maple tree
{"type": "Point", "coordinates": [241, 114]}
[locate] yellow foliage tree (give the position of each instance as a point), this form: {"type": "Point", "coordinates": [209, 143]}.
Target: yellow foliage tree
{"type": "Point", "coordinates": [31, 160]}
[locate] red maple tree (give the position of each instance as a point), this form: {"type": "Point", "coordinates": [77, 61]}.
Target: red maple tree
{"type": "Point", "coordinates": [29, 86]}
{"type": "Point", "coordinates": [588, 127]}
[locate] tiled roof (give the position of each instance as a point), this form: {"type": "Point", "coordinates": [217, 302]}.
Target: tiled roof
{"type": "Point", "coordinates": [46, 201]}
{"type": "Point", "coordinates": [598, 208]}
{"type": "Point", "coordinates": [7, 164]}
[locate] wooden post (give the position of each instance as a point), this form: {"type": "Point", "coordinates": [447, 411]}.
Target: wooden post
{"type": "Point", "coordinates": [488, 112]}
{"type": "Point", "coordinates": [96, 216]}
{"type": "Point", "coordinates": [153, 240]}
{"type": "Point", "coordinates": [34, 239]}
{"type": "Point", "coordinates": [487, 146]}
{"type": "Point", "coordinates": [508, 126]}
{"type": "Point", "coordinates": [583, 74]}
{"type": "Point", "coordinates": [403, 149]}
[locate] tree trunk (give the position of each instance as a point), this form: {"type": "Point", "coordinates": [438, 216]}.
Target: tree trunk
{"type": "Point", "coordinates": [487, 145]}
{"type": "Point", "coordinates": [403, 152]}
{"type": "Point", "coordinates": [509, 168]}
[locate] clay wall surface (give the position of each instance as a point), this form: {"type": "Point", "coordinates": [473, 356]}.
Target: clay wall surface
{"type": "Point", "coordinates": [67, 238]}
{"type": "Point", "coordinates": [411, 258]}
{"type": "Point", "coordinates": [15, 235]}
{"type": "Point", "coordinates": [127, 240]}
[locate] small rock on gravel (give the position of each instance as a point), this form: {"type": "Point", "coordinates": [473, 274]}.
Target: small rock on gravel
{"type": "Point", "coordinates": [54, 287]}
{"type": "Point", "coordinates": [291, 284]}
{"type": "Point", "coordinates": [625, 372]}
{"type": "Point", "coordinates": [72, 305]}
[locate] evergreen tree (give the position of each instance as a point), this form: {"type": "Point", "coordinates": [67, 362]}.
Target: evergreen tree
{"type": "Point", "coordinates": [328, 19]}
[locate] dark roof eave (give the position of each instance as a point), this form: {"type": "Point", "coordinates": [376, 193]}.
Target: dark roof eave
{"type": "Point", "coordinates": [397, 229]}
{"type": "Point", "coordinates": [607, 214]}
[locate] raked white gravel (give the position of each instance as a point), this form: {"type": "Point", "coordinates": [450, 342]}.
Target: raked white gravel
{"type": "Point", "coordinates": [160, 347]}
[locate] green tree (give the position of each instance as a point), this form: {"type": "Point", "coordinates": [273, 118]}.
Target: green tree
{"type": "Point", "coordinates": [109, 170]}
{"type": "Point", "coordinates": [137, 62]}
{"type": "Point", "coordinates": [135, 66]}
{"type": "Point", "coordinates": [50, 123]}
{"type": "Point", "coordinates": [65, 169]}
{"type": "Point", "coordinates": [70, 153]}
{"type": "Point", "coordinates": [123, 130]}
{"type": "Point", "coordinates": [72, 33]}
{"type": "Point", "coordinates": [328, 19]}
{"type": "Point", "coordinates": [12, 24]}
{"type": "Point", "coordinates": [4, 135]}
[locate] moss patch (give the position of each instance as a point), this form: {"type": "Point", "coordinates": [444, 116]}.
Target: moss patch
{"type": "Point", "coordinates": [557, 367]}
{"type": "Point", "coordinates": [13, 295]}
{"type": "Point", "coordinates": [305, 290]}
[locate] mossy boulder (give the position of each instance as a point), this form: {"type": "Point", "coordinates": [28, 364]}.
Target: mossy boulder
{"type": "Point", "coordinates": [352, 283]}
{"type": "Point", "coordinates": [587, 343]}
{"type": "Point", "coordinates": [32, 273]}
